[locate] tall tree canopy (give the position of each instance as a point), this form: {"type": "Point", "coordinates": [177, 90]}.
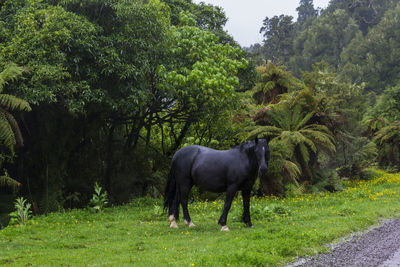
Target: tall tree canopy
{"type": "Point", "coordinates": [278, 35]}
{"type": "Point", "coordinates": [108, 81]}
{"type": "Point", "coordinates": [306, 11]}
{"type": "Point", "coordinates": [373, 58]}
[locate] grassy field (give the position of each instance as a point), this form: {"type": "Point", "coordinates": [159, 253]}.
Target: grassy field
{"type": "Point", "coordinates": [138, 234]}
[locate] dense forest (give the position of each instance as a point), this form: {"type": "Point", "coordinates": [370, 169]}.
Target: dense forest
{"type": "Point", "coordinates": [107, 90]}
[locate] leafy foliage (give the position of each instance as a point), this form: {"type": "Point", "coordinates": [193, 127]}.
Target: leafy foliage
{"type": "Point", "coordinates": [22, 212]}
{"type": "Point", "coordinates": [99, 199]}
{"type": "Point", "coordinates": [117, 87]}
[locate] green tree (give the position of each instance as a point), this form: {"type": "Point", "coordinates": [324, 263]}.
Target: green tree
{"type": "Point", "coordinates": [366, 13]}
{"type": "Point", "coordinates": [342, 111]}
{"type": "Point", "coordinates": [201, 73]}
{"type": "Point", "coordinates": [372, 59]}
{"type": "Point", "coordinates": [110, 81]}
{"type": "Point", "coordinates": [324, 40]}
{"type": "Point", "coordinates": [278, 35]}
{"type": "Point", "coordinates": [306, 11]}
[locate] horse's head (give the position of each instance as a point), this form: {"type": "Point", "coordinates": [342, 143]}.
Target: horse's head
{"type": "Point", "coordinates": [261, 150]}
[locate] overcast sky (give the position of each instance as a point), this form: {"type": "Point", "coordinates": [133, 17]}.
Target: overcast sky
{"type": "Point", "coordinates": [245, 17]}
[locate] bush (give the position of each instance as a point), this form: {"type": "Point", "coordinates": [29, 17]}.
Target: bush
{"type": "Point", "coordinates": [22, 212]}
{"type": "Point", "coordinates": [99, 199]}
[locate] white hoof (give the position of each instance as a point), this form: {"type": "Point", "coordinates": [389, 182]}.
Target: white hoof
{"type": "Point", "coordinates": [171, 218]}
{"type": "Point", "coordinates": [190, 224]}
{"type": "Point", "coordinates": [173, 224]}
{"type": "Point", "coordinates": [224, 228]}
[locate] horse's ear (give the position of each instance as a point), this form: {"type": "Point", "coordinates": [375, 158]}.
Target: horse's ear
{"type": "Point", "coordinates": [256, 140]}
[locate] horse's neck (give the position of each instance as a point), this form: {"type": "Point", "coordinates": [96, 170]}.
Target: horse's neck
{"type": "Point", "coordinates": [251, 157]}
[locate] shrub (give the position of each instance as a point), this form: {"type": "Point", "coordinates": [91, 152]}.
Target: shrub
{"type": "Point", "coordinates": [99, 199]}
{"type": "Point", "coordinates": [22, 212]}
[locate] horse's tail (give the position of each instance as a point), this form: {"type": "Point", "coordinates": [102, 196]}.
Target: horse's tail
{"type": "Point", "coordinates": [171, 195]}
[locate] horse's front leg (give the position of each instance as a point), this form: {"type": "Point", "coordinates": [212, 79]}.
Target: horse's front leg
{"type": "Point", "coordinates": [230, 194]}
{"type": "Point", "coordinates": [246, 207]}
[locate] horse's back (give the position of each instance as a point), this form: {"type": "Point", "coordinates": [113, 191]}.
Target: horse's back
{"type": "Point", "coordinates": [200, 154]}
{"type": "Point", "coordinates": [183, 159]}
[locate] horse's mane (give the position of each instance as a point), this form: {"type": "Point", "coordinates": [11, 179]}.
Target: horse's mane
{"type": "Point", "coordinates": [244, 146]}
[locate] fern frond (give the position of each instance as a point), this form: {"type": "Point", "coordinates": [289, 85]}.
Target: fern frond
{"type": "Point", "coordinates": [293, 171]}
{"type": "Point", "coordinates": [367, 151]}
{"type": "Point", "coordinates": [6, 132]}
{"type": "Point", "coordinates": [14, 103]}
{"type": "Point", "coordinates": [265, 131]}
{"type": "Point", "coordinates": [304, 121]}
{"type": "Point", "coordinates": [10, 73]}
{"type": "Point", "coordinates": [310, 143]}
{"type": "Point", "coordinates": [304, 153]}
{"type": "Point", "coordinates": [15, 128]}
{"type": "Point", "coordinates": [320, 139]}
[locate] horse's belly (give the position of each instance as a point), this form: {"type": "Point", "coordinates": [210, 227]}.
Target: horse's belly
{"type": "Point", "coordinates": [210, 182]}
{"type": "Point", "coordinates": [216, 189]}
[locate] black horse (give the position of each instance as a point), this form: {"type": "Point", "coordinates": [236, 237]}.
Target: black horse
{"type": "Point", "coordinates": [227, 171]}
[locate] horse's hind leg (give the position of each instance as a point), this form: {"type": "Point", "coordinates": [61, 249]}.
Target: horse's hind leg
{"type": "Point", "coordinates": [173, 215]}
{"type": "Point", "coordinates": [174, 210]}
{"type": "Point", "coordinates": [185, 189]}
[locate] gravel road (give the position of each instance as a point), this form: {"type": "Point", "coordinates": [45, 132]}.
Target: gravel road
{"type": "Point", "coordinates": [378, 247]}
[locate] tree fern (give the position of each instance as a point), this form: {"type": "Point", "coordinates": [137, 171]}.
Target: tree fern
{"type": "Point", "coordinates": [388, 141]}
{"type": "Point", "coordinates": [10, 133]}
{"type": "Point", "coordinates": [297, 138]}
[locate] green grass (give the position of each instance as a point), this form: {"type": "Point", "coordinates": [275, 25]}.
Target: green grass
{"type": "Point", "coordinates": [138, 235]}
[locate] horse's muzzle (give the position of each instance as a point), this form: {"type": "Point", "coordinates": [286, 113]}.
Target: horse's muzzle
{"type": "Point", "coordinates": [262, 171]}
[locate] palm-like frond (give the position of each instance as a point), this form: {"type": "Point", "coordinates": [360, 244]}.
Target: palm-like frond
{"type": "Point", "coordinates": [10, 73]}
{"type": "Point", "coordinates": [265, 131]}
{"type": "Point", "coordinates": [388, 133]}
{"type": "Point", "coordinates": [6, 132]}
{"type": "Point", "coordinates": [10, 133]}
{"type": "Point", "coordinates": [304, 120]}
{"type": "Point", "coordinates": [15, 128]}
{"type": "Point", "coordinates": [320, 136]}
{"type": "Point", "coordinates": [293, 171]}
{"type": "Point", "coordinates": [367, 151]}
{"type": "Point", "coordinates": [14, 103]}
